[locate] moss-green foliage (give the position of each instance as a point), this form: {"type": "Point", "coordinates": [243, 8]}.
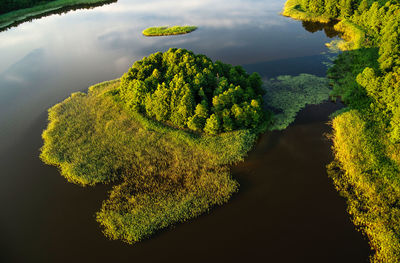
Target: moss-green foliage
{"type": "Point", "coordinates": [167, 31]}
{"type": "Point", "coordinates": [367, 135]}
{"type": "Point", "coordinates": [168, 175]}
{"type": "Point", "coordinates": [185, 90]}
{"type": "Point", "coordinates": [287, 95]}
{"type": "Point", "coordinates": [342, 75]}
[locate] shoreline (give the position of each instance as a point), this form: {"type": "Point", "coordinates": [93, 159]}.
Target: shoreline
{"type": "Point", "coordinates": [352, 36]}
{"type": "Point", "coordinates": [17, 17]}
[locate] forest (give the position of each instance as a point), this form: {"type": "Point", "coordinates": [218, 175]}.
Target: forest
{"type": "Point", "coordinates": [366, 134]}
{"type": "Point", "coordinates": [10, 5]}
{"type": "Point", "coordinates": [186, 90]}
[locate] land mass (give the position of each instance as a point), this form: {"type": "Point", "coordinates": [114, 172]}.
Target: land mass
{"type": "Point", "coordinates": [168, 31]}
{"type": "Point", "coordinates": [168, 129]}
{"type": "Point", "coordinates": [366, 135]}
{"type": "Point", "coordinates": [25, 11]}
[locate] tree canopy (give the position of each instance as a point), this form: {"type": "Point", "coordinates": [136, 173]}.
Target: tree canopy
{"type": "Point", "coordinates": [185, 90]}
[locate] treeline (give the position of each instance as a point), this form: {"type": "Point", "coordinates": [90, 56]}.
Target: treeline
{"type": "Point", "coordinates": [366, 138]}
{"type": "Point", "coordinates": [10, 5]}
{"type": "Point", "coordinates": [341, 8]}
{"type": "Point", "coordinates": [186, 90]}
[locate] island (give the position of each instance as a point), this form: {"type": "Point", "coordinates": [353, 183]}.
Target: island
{"type": "Point", "coordinates": [13, 13]}
{"type": "Point", "coordinates": [366, 134]}
{"type": "Point", "coordinates": [168, 31]}
{"type": "Point", "coordinates": [167, 131]}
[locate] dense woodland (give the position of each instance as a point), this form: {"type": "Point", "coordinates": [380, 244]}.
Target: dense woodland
{"type": "Point", "coordinates": [190, 91]}
{"type": "Point", "coordinates": [10, 5]}
{"type": "Point", "coordinates": [367, 134]}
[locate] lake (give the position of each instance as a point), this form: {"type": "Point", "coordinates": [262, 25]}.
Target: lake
{"type": "Point", "coordinates": [287, 209]}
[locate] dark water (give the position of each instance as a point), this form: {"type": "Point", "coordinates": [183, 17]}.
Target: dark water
{"type": "Point", "coordinates": [287, 209]}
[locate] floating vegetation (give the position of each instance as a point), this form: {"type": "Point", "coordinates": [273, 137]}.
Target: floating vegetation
{"type": "Point", "coordinates": [287, 95]}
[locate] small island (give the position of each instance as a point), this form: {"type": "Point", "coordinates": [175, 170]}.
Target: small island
{"type": "Point", "coordinates": [168, 131]}
{"type": "Point", "coordinates": [168, 31]}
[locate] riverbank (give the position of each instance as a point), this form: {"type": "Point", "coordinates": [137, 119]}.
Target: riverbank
{"type": "Point", "coordinates": [17, 17]}
{"type": "Point", "coordinates": [366, 134]}
{"type": "Point", "coordinates": [354, 36]}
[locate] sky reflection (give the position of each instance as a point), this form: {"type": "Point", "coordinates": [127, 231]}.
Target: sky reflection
{"type": "Point", "coordinates": [49, 58]}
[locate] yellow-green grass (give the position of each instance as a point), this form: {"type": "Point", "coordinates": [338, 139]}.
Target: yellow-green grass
{"type": "Point", "coordinates": [22, 15]}
{"type": "Point", "coordinates": [293, 9]}
{"type": "Point", "coordinates": [168, 175]}
{"type": "Point", "coordinates": [368, 178]}
{"type": "Point", "coordinates": [353, 35]}
{"type": "Point", "coordinates": [167, 30]}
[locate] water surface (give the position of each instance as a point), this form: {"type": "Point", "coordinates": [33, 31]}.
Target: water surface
{"type": "Point", "coordinates": [287, 209]}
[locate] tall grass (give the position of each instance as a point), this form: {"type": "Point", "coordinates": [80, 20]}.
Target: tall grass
{"type": "Point", "coordinates": [168, 175]}
{"type": "Point", "coordinates": [166, 30]}
{"type": "Point", "coordinates": [368, 178]}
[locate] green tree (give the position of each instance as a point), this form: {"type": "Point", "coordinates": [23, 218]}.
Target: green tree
{"type": "Point", "coordinates": [213, 125]}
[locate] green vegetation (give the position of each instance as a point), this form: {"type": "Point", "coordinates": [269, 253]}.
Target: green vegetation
{"type": "Point", "coordinates": [185, 90]}
{"type": "Point", "coordinates": [287, 95]}
{"type": "Point", "coordinates": [327, 11]}
{"type": "Point", "coordinates": [169, 175]}
{"type": "Point", "coordinates": [366, 135]}
{"type": "Point", "coordinates": [167, 31]}
{"type": "Point", "coordinates": [14, 12]}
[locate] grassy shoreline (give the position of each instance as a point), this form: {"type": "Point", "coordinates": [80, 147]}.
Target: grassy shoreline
{"type": "Point", "coordinates": [354, 37]}
{"type": "Point", "coordinates": [366, 134]}
{"type": "Point", "coordinates": [168, 175]}
{"type": "Point", "coordinates": [172, 163]}
{"type": "Point", "coordinates": [17, 17]}
{"type": "Point", "coordinates": [293, 10]}
{"type": "Point", "coordinates": [168, 31]}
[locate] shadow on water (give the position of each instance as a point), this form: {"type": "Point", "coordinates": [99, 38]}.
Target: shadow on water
{"type": "Point", "coordinates": [58, 11]}
{"type": "Point", "coordinates": [291, 66]}
{"type": "Point", "coordinates": [328, 28]}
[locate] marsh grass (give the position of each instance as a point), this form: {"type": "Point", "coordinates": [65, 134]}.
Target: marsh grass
{"type": "Point", "coordinates": [167, 31]}
{"type": "Point", "coordinates": [367, 177]}
{"type": "Point", "coordinates": [168, 175]}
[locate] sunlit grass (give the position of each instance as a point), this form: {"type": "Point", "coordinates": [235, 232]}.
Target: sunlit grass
{"type": "Point", "coordinates": [167, 31]}
{"type": "Point", "coordinates": [168, 175]}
